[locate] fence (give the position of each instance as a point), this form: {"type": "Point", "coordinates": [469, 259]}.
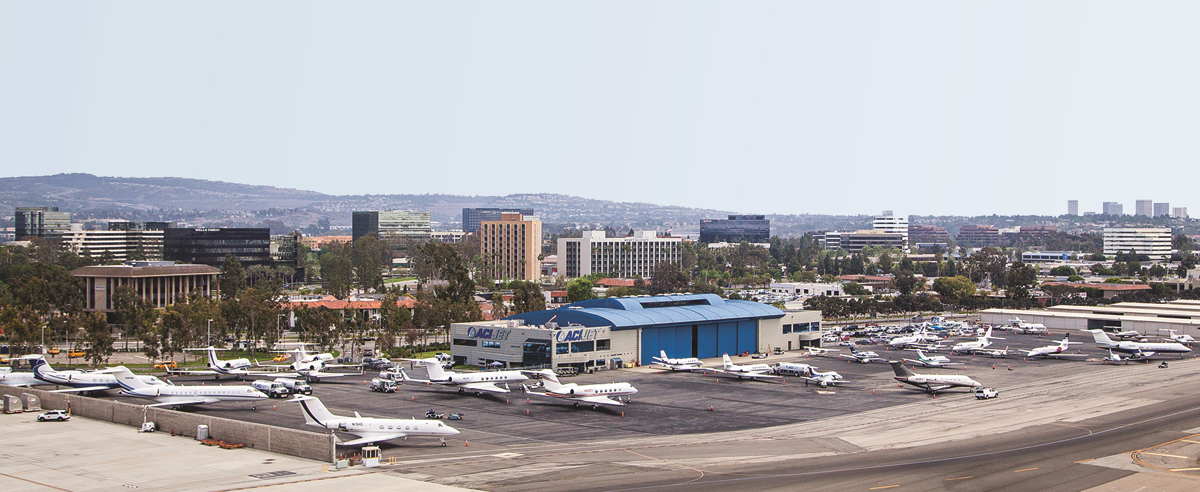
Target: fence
{"type": "Point", "coordinates": [309, 445]}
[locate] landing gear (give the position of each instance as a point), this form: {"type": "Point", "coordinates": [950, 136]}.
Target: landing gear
{"type": "Point", "coordinates": [595, 407]}
{"type": "Point", "coordinates": [478, 393]}
{"type": "Point", "coordinates": [461, 391]}
{"type": "Point", "coordinates": [576, 404]}
{"type": "Point", "coordinates": [443, 442]}
{"type": "Point", "coordinates": [254, 407]}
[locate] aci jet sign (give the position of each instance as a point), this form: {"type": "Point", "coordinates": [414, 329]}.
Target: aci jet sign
{"type": "Point", "coordinates": [577, 335]}
{"type": "Point", "coordinates": [487, 333]}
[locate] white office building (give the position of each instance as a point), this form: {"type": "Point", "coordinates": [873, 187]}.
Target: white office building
{"type": "Point", "coordinates": [616, 256]}
{"type": "Point", "coordinates": [1152, 241]}
{"type": "Point", "coordinates": [807, 289]}
{"type": "Point", "coordinates": [1144, 208]}
{"type": "Point", "coordinates": [117, 245]}
{"type": "Point", "coordinates": [892, 224]}
{"type": "Point", "coordinates": [1179, 212]}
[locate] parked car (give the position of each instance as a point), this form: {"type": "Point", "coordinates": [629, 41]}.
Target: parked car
{"type": "Point", "coordinates": [166, 364]}
{"type": "Point", "coordinates": [985, 393]}
{"type": "Point", "coordinates": [75, 353]}
{"type": "Point", "coordinates": [59, 415]}
{"type": "Point", "coordinates": [377, 364]}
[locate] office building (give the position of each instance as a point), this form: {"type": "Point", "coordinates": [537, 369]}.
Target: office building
{"type": "Point", "coordinates": [285, 251]}
{"type": "Point", "coordinates": [979, 236]}
{"type": "Point", "coordinates": [117, 245]}
{"type": "Point", "coordinates": [807, 289]}
{"type": "Point", "coordinates": [163, 283]}
{"type": "Point", "coordinates": [1181, 316]}
{"type": "Point", "coordinates": [831, 240]}
{"type": "Point", "coordinates": [854, 242]}
{"type": "Point", "coordinates": [1162, 209]}
{"type": "Point", "coordinates": [1072, 207]}
{"type": "Point", "coordinates": [1114, 208]}
{"type": "Point", "coordinates": [512, 245]}
{"type": "Point", "coordinates": [1152, 241]}
{"type": "Point", "coordinates": [616, 256]}
{"type": "Point", "coordinates": [125, 225]}
{"type": "Point", "coordinates": [925, 234]}
{"type": "Point", "coordinates": [472, 217]}
{"type": "Point", "coordinates": [251, 246]}
{"type": "Point", "coordinates": [1037, 230]}
{"type": "Point", "coordinates": [1045, 256]}
{"type": "Point", "coordinates": [40, 221]}
{"type": "Point", "coordinates": [1179, 212]}
{"type": "Point", "coordinates": [736, 229]}
{"type": "Point", "coordinates": [392, 225]}
{"type": "Point", "coordinates": [452, 237]}
{"type": "Point", "coordinates": [892, 224]}
{"type": "Point", "coordinates": [1144, 208]}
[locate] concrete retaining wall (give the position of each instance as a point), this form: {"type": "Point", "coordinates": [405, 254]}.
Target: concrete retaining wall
{"type": "Point", "coordinates": [309, 445]}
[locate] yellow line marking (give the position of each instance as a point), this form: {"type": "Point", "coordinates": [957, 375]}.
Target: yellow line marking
{"type": "Point", "coordinates": [884, 487]}
{"type": "Point", "coordinates": [1026, 469]}
{"type": "Point", "coordinates": [1193, 442]}
{"type": "Point", "coordinates": [1167, 455]}
{"type": "Point", "coordinates": [1184, 469]}
{"type": "Point", "coordinates": [1087, 460]}
{"type": "Point", "coordinates": [959, 478]}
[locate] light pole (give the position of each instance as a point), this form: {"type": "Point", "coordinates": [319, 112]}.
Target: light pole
{"type": "Point", "coordinates": [208, 334]}
{"type": "Point", "coordinates": [43, 339]}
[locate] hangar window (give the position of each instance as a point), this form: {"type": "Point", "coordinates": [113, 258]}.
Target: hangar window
{"type": "Point", "coordinates": [603, 344]}
{"type": "Point", "coordinates": [587, 346]}
{"type": "Point", "coordinates": [465, 342]}
{"type": "Point", "coordinates": [562, 348]}
{"type": "Point", "coordinates": [787, 329]}
{"type": "Point", "coordinates": [491, 344]}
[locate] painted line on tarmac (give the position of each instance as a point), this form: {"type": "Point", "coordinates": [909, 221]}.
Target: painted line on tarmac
{"type": "Point", "coordinates": [36, 483]}
{"type": "Point", "coordinates": [1184, 469]}
{"type": "Point", "coordinates": [883, 487]}
{"type": "Point", "coordinates": [958, 478]}
{"type": "Point", "coordinates": [1167, 455]}
{"type": "Point", "coordinates": [1087, 460]}
{"type": "Point", "coordinates": [1193, 442]}
{"type": "Point", "coordinates": [1025, 470]}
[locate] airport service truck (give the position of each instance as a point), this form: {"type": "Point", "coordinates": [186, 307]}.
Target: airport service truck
{"type": "Point", "coordinates": [295, 386]}
{"type": "Point", "coordinates": [273, 389]}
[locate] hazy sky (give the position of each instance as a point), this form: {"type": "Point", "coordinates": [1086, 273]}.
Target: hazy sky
{"type": "Point", "coordinates": [768, 107]}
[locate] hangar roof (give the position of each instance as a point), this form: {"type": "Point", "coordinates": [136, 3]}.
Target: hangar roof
{"type": "Point", "coordinates": [634, 312]}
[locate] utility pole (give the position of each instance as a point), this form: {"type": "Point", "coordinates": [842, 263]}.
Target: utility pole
{"type": "Point", "coordinates": [208, 334]}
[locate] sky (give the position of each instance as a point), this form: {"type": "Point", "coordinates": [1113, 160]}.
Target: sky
{"type": "Point", "coordinates": [789, 107]}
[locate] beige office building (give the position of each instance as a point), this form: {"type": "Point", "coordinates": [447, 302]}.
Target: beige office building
{"type": "Point", "coordinates": [163, 283]}
{"type": "Point", "coordinates": [512, 244]}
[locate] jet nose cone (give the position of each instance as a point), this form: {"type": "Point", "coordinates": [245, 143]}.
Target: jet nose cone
{"type": "Point", "coordinates": [451, 431]}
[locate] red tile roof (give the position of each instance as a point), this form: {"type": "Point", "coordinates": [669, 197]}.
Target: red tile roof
{"type": "Point", "coordinates": [1111, 287]}
{"type": "Point", "coordinates": [615, 282]}
{"type": "Point", "coordinates": [330, 302]}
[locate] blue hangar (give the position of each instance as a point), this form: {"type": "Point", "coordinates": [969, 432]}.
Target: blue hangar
{"type": "Point", "coordinates": [690, 325]}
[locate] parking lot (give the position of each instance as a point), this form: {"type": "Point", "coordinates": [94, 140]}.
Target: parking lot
{"type": "Point", "coordinates": [668, 403]}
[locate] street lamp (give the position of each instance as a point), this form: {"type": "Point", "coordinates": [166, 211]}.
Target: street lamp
{"type": "Point", "coordinates": [208, 334]}
{"type": "Point", "coordinates": [43, 339]}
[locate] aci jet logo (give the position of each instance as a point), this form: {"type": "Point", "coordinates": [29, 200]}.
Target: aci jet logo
{"type": "Point", "coordinates": [487, 333]}
{"type": "Point", "coordinates": [576, 335]}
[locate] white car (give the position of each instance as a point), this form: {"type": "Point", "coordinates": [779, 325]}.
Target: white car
{"type": "Point", "coordinates": [59, 415]}
{"type": "Point", "coordinates": [985, 393]}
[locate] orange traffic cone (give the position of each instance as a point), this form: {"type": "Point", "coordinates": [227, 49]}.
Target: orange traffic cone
{"type": "Point", "coordinates": [622, 414]}
{"type": "Point", "coordinates": [710, 408]}
{"type": "Point", "coordinates": [506, 401]}
{"type": "Point", "coordinates": [526, 411]}
{"type": "Point", "coordinates": [466, 443]}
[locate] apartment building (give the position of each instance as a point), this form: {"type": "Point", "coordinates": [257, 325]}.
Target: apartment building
{"type": "Point", "coordinates": [616, 256]}
{"type": "Point", "coordinates": [512, 244]}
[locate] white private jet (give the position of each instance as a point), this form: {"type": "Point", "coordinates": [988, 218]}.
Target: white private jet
{"type": "Point", "coordinates": [1184, 339]}
{"type": "Point", "coordinates": [479, 382]}
{"type": "Point", "coordinates": [994, 353]}
{"type": "Point", "coordinates": [931, 383]}
{"type": "Point", "coordinates": [748, 371]}
{"type": "Point", "coordinates": [314, 367]}
{"type": "Point", "coordinates": [80, 381]}
{"type": "Point", "coordinates": [370, 429]}
{"type": "Point", "coordinates": [865, 357]}
{"type": "Point", "coordinates": [594, 394]}
{"type": "Point", "coordinates": [19, 379]}
{"type": "Point", "coordinates": [976, 346]}
{"type": "Point", "coordinates": [177, 396]}
{"type": "Point", "coordinates": [1114, 359]}
{"type": "Point", "coordinates": [238, 368]}
{"type": "Point", "coordinates": [809, 374]}
{"type": "Point", "coordinates": [1128, 335]}
{"type": "Point", "coordinates": [820, 352]}
{"type": "Point", "coordinates": [935, 361]}
{"type": "Point", "coordinates": [1057, 350]}
{"type": "Point", "coordinates": [679, 364]}
{"type": "Point", "coordinates": [920, 337]}
{"type": "Point", "coordinates": [1020, 326]}
{"type": "Point", "coordinates": [1139, 350]}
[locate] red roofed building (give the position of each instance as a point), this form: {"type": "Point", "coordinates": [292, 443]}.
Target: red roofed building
{"type": "Point", "coordinates": [1110, 290]}
{"type": "Point", "coordinates": [873, 281]}
{"type": "Point", "coordinates": [615, 282]}
{"type": "Point", "coordinates": [366, 307]}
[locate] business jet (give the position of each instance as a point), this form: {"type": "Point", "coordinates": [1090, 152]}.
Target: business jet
{"type": "Point", "coordinates": [747, 371]}
{"type": "Point", "coordinates": [1114, 359]}
{"type": "Point", "coordinates": [979, 344]}
{"type": "Point", "coordinates": [1128, 335]}
{"type": "Point", "coordinates": [80, 381]}
{"type": "Point", "coordinates": [479, 382]}
{"type": "Point", "coordinates": [993, 353]}
{"type": "Point", "coordinates": [820, 352]}
{"type": "Point", "coordinates": [680, 364]}
{"type": "Point", "coordinates": [594, 394]}
{"type": "Point", "coordinates": [314, 367]}
{"type": "Point", "coordinates": [370, 429]}
{"type": "Point", "coordinates": [1021, 326]}
{"type": "Point", "coordinates": [238, 368]}
{"type": "Point", "coordinates": [931, 383]}
{"type": "Point", "coordinates": [1139, 350]}
{"type": "Point", "coordinates": [935, 361]}
{"type": "Point", "coordinates": [1057, 350]}
{"type": "Point", "coordinates": [19, 379]}
{"type": "Point", "coordinates": [1184, 339]}
{"type": "Point", "coordinates": [823, 379]}
{"type": "Point", "coordinates": [865, 357]}
{"type": "Point", "coordinates": [920, 337]}
{"type": "Point", "coordinates": [178, 396]}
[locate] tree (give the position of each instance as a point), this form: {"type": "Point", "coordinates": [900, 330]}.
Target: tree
{"type": "Point", "coordinates": [527, 296]}
{"type": "Point", "coordinates": [337, 269]}
{"type": "Point", "coordinates": [370, 256]}
{"type": "Point", "coordinates": [668, 277]}
{"type": "Point", "coordinates": [98, 338]}
{"type": "Point", "coordinates": [885, 262]}
{"type": "Point", "coordinates": [580, 289]}
{"type": "Point", "coordinates": [1062, 271]}
{"type": "Point", "coordinates": [905, 282]}
{"type": "Point", "coordinates": [955, 288]}
{"type": "Point", "coordinates": [1021, 278]}
{"type": "Point", "coordinates": [854, 289]}
{"type": "Point", "coordinates": [233, 278]}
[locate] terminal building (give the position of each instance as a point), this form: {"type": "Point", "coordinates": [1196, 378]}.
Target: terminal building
{"type": "Point", "coordinates": [1150, 319]}
{"type": "Point", "coordinates": [606, 333]}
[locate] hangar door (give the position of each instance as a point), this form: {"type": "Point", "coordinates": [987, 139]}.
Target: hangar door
{"type": "Point", "coordinates": [675, 340]}
{"type": "Point", "coordinates": [747, 336]}
{"type": "Point", "coordinates": [727, 336]}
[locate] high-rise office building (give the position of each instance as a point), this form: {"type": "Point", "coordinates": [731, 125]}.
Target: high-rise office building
{"type": "Point", "coordinates": [471, 217]}
{"type": "Point", "coordinates": [1179, 212]}
{"type": "Point", "coordinates": [1114, 208]}
{"type": "Point", "coordinates": [1155, 242]}
{"type": "Point", "coordinates": [251, 246]}
{"type": "Point", "coordinates": [119, 245]}
{"type": "Point", "coordinates": [1162, 209]}
{"type": "Point", "coordinates": [1144, 208]}
{"type": "Point", "coordinates": [512, 245]}
{"type": "Point", "coordinates": [392, 224]}
{"type": "Point", "coordinates": [616, 256]}
{"type": "Point", "coordinates": [736, 229]}
{"type": "Point", "coordinates": [40, 221]}
{"type": "Point", "coordinates": [892, 224]}
{"type": "Point", "coordinates": [979, 236]}
{"type": "Point", "coordinates": [1072, 207]}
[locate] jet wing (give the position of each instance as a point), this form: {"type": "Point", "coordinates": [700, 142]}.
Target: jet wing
{"type": "Point", "coordinates": [600, 400]}
{"type": "Point", "coordinates": [370, 438]}
{"type": "Point", "coordinates": [759, 375]}
{"type": "Point", "coordinates": [675, 367]}
{"type": "Point", "coordinates": [485, 387]}
{"type": "Point", "coordinates": [263, 375]}
{"type": "Point", "coordinates": [323, 375]}
{"type": "Point", "coordinates": [82, 390]}
{"type": "Point", "coordinates": [1068, 356]}
{"type": "Point", "coordinates": [182, 401]}
{"type": "Point", "coordinates": [824, 382]}
{"type": "Point", "coordinates": [185, 372]}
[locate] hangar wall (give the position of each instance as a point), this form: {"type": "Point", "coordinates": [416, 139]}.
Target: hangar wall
{"type": "Point", "coordinates": [302, 444]}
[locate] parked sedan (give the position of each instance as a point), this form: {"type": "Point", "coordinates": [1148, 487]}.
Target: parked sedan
{"type": "Point", "coordinates": [59, 415]}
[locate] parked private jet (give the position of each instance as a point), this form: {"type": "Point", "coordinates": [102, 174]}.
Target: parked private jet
{"type": "Point", "coordinates": [931, 383]}
{"type": "Point", "coordinates": [238, 368]}
{"type": "Point", "coordinates": [1184, 339]}
{"type": "Point", "coordinates": [820, 352]}
{"type": "Point", "coordinates": [680, 364]}
{"type": "Point", "coordinates": [1127, 335]}
{"type": "Point", "coordinates": [370, 429]}
{"type": "Point", "coordinates": [1057, 350]}
{"type": "Point", "coordinates": [979, 344]}
{"type": "Point", "coordinates": [823, 379]}
{"type": "Point", "coordinates": [479, 382]}
{"type": "Point", "coordinates": [865, 356]}
{"type": "Point", "coordinates": [1114, 359]}
{"type": "Point", "coordinates": [20, 379]}
{"type": "Point", "coordinates": [748, 371]}
{"type": "Point", "coordinates": [594, 394]}
{"type": "Point", "coordinates": [177, 396]}
{"type": "Point", "coordinates": [314, 367]}
{"type": "Point", "coordinates": [937, 361]}
{"type": "Point", "coordinates": [993, 353]}
{"type": "Point", "coordinates": [81, 381]}
{"type": "Point", "coordinates": [1020, 326]}
{"type": "Point", "coordinates": [919, 338]}
{"type": "Point", "coordinates": [1138, 350]}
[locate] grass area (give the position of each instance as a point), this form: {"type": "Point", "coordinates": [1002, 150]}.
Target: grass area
{"type": "Point", "coordinates": [396, 280]}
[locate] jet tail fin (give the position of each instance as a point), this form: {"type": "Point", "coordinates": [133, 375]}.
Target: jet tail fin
{"type": "Point", "coordinates": [725, 359]}
{"type": "Point", "coordinates": [902, 370]}
{"type": "Point", "coordinates": [1102, 338]}
{"type": "Point", "coordinates": [127, 379]}
{"type": "Point", "coordinates": [315, 412]}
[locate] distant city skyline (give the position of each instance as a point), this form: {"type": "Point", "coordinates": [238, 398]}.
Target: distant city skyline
{"type": "Point", "coordinates": [778, 108]}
